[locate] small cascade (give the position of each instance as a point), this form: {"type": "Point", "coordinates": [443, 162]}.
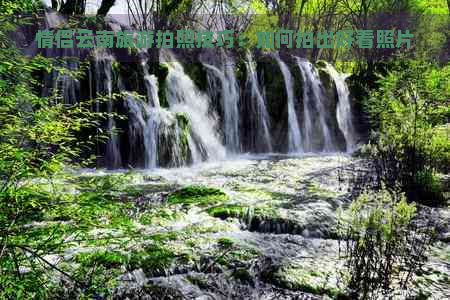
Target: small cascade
{"type": "Point", "coordinates": [229, 100]}
{"type": "Point", "coordinates": [343, 110]}
{"type": "Point", "coordinates": [151, 85]}
{"type": "Point", "coordinates": [69, 84]}
{"type": "Point", "coordinates": [104, 82]}
{"type": "Point", "coordinates": [184, 97]}
{"type": "Point", "coordinates": [262, 137]}
{"type": "Point", "coordinates": [157, 130]}
{"type": "Point", "coordinates": [307, 113]}
{"type": "Point", "coordinates": [294, 136]}
{"type": "Point", "coordinates": [314, 94]}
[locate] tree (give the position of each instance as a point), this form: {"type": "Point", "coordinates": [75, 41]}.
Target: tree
{"type": "Point", "coordinates": [105, 7]}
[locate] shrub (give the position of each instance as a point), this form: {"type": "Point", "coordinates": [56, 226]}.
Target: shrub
{"type": "Point", "coordinates": [407, 112]}
{"type": "Point", "coordinates": [382, 246]}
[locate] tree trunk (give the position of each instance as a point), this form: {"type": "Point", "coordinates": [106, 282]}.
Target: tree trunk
{"type": "Point", "coordinates": [73, 7]}
{"type": "Point", "coordinates": [105, 7]}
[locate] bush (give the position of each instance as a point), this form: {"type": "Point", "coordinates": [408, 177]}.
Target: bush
{"type": "Point", "coordinates": [407, 112]}
{"type": "Point", "coordinates": [383, 247]}
{"type": "Point", "coordinates": [37, 138]}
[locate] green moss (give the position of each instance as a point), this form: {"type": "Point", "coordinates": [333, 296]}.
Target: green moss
{"type": "Point", "coordinates": [321, 64]}
{"type": "Point", "coordinates": [225, 242]}
{"type": "Point", "coordinates": [185, 130]}
{"type": "Point", "coordinates": [162, 70]}
{"type": "Point", "coordinates": [158, 216]}
{"type": "Point", "coordinates": [197, 194]}
{"type": "Point", "coordinates": [241, 71]}
{"type": "Point", "coordinates": [326, 79]}
{"type": "Point", "coordinates": [227, 211]}
{"type": "Point", "coordinates": [235, 255]}
{"type": "Point", "coordinates": [305, 279]}
{"type": "Point", "coordinates": [154, 260]}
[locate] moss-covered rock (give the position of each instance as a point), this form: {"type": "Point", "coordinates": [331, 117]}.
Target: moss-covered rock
{"type": "Point", "coordinates": [243, 275]}
{"type": "Point", "coordinates": [304, 278]}
{"type": "Point", "coordinates": [155, 259]}
{"type": "Point", "coordinates": [197, 73]}
{"type": "Point", "coordinates": [161, 70]}
{"type": "Point", "coordinates": [184, 124]}
{"type": "Point", "coordinates": [197, 194]}
{"type": "Point", "coordinates": [227, 211]}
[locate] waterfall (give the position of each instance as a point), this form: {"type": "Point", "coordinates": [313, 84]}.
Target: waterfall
{"type": "Point", "coordinates": [69, 84]}
{"type": "Point", "coordinates": [229, 101]}
{"type": "Point", "coordinates": [151, 85]}
{"type": "Point", "coordinates": [294, 142]}
{"type": "Point", "coordinates": [184, 97]}
{"type": "Point", "coordinates": [307, 113]}
{"type": "Point", "coordinates": [313, 88]}
{"type": "Point", "coordinates": [142, 123]}
{"type": "Point", "coordinates": [189, 129]}
{"type": "Point", "coordinates": [157, 130]}
{"type": "Point", "coordinates": [104, 83]}
{"type": "Point", "coordinates": [343, 110]}
{"type": "Point", "coordinates": [262, 117]}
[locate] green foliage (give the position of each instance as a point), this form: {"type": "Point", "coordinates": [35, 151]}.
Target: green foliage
{"type": "Point", "coordinates": [97, 271]}
{"type": "Point", "coordinates": [383, 248]}
{"type": "Point", "coordinates": [38, 137]}
{"type": "Point", "coordinates": [8, 7]}
{"type": "Point", "coordinates": [408, 111]}
{"type": "Point", "coordinates": [109, 259]}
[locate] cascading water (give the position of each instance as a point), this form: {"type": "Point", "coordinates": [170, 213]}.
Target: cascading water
{"type": "Point", "coordinates": [260, 111]}
{"type": "Point", "coordinates": [184, 97]}
{"type": "Point", "coordinates": [229, 101]}
{"type": "Point", "coordinates": [158, 132]}
{"type": "Point", "coordinates": [307, 114]}
{"type": "Point", "coordinates": [294, 142]}
{"type": "Point", "coordinates": [69, 84]}
{"type": "Point", "coordinates": [313, 88]}
{"type": "Point", "coordinates": [189, 129]}
{"type": "Point", "coordinates": [343, 110]}
{"type": "Point", "coordinates": [104, 82]}
{"type": "Point", "coordinates": [151, 85]}
{"type": "Point", "coordinates": [63, 81]}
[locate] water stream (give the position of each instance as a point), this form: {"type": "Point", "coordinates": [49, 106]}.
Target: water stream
{"type": "Point", "coordinates": [294, 141]}
{"type": "Point", "coordinates": [314, 96]}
